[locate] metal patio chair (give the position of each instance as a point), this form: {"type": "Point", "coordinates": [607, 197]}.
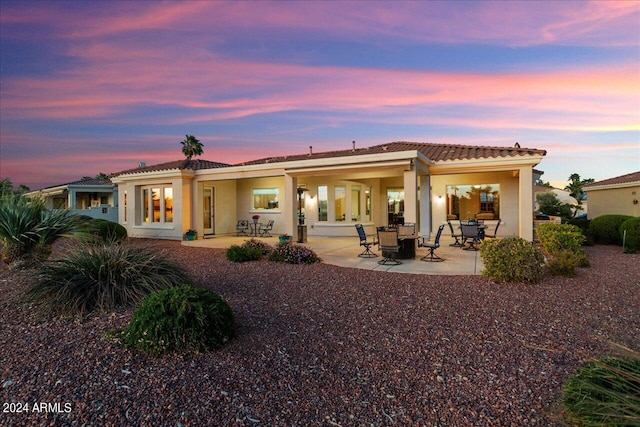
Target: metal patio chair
{"type": "Point", "coordinates": [366, 243]}
{"type": "Point", "coordinates": [389, 246]}
{"type": "Point", "coordinates": [431, 256]}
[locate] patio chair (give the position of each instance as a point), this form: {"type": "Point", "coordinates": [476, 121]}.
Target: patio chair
{"type": "Point", "coordinates": [265, 230]}
{"type": "Point", "coordinates": [495, 232]}
{"type": "Point", "coordinates": [431, 256]}
{"type": "Point", "coordinates": [457, 243]}
{"type": "Point", "coordinates": [471, 235]}
{"type": "Point", "coordinates": [390, 247]}
{"type": "Point", "coordinates": [407, 229]}
{"type": "Point", "coordinates": [242, 226]}
{"type": "Point", "coordinates": [366, 243]}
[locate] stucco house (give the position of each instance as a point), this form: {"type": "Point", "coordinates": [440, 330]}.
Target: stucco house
{"type": "Point", "coordinates": [619, 195]}
{"type": "Point", "coordinates": [93, 197]}
{"type": "Point", "coordinates": [414, 182]}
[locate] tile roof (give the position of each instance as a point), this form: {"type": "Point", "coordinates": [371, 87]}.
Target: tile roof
{"type": "Point", "coordinates": [622, 179]}
{"type": "Point", "coordinates": [196, 164]}
{"type": "Point", "coordinates": [435, 152]}
{"type": "Point", "coordinates": [91, 181]}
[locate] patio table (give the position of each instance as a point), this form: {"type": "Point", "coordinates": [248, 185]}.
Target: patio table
{"type": "Point", "coordinates": [255, 228]}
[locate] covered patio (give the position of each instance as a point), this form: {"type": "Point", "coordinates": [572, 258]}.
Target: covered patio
{"type": "Point", "coordinates": [343, 252]}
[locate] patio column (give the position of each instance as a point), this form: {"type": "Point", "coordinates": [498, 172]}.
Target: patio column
{"type": "Point", "coordinates": [411, 196]}
{"type": "Point", "coordinates": [525, 203]}
{"type": "Point", "coordinates": [71, 198]}
{"type": "Point", "coordinates": [425, 206]}
{"type": "Point", "coordinates": [290, 208]}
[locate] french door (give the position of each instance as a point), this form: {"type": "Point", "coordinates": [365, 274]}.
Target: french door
{"type": "Point", "coordinates": [208, 211]}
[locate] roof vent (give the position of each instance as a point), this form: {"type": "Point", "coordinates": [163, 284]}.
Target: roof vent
{"type": "Point", "coordinates": [310, 149]}
{"type": "Point", "coordinates": [353, 146]}
{"type": "Point", "coordinates": [142, 165]}
{"type": "Point", "coordinates": [516, 145]}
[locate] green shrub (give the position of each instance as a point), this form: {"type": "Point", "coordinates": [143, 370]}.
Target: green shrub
{"type": "Point", "coordinates": [556, 238]}
{"type": "Point", "coordinates": [583, 225]}
{"type": "Point", "coordinates": [103, 230]}
{"type": "Point", "coordinates": [511, 259]}
{"type": "Point", "coordinates": [28, 229]}
{"type": "Point", "coordinates": [237, 253]}
{"type": "Point", "coordinates": [180, 318]}
{"type": "Point", "coordinates": [563, 264]}
{"type": "Point", "coordinates": [605, 229]}
{"type": "Point", "coordinates": [605, 392]}
{"type": "Point", "coordinates": [101, 277]}
{"type": "Point", "coordinates": [264, 247]}
{"type": "Point", "coordinates": [293, 254]}
{"type": "Point", "coordinates": [632, 238]}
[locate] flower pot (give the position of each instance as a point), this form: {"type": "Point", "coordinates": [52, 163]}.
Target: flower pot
{"type": "Point", "coordinates": [191, 236]}
{"type": "Point", "coordinates": [284, 239]}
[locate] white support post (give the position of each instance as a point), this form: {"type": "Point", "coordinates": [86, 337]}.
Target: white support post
{"type": "Point", "coordinates": [411, 196]}
{"type": "Point", "coordinates": [290, 200]}
{"type": "Point", "coordinates": [525, 204]}
{"type": "Point", "coordinates": [425, 206]}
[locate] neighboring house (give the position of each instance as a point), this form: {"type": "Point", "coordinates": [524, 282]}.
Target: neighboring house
{"type": "Point", "coordinates": [96, 198]}
{"type": "Point", "coordinates": [401, 181]}
{"type": "Point", "coordinates": [619, 195]}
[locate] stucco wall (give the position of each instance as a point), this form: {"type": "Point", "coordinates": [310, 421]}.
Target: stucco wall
{"type": "Point", "coordinates": [509, 211]}
{"type": "Point", "coordinates": [614, 201]}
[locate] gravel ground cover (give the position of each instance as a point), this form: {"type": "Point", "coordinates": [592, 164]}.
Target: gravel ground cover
{"type": "Point", "coordinates": [321, 345]}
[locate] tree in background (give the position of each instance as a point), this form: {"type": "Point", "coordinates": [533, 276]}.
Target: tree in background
{"type": "Point", "coordinates": [6, 189]}
{"type": "Point", "coordinates": [575, 190]}
{"type": "Point", "coordinates": [549, 204]}
{"type": "Point", "coordinates": [191, 147]}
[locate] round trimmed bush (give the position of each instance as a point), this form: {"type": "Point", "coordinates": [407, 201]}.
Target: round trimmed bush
{"type": "Point", "coordinates": [103, 277]}
{"type": "Point", "coordinates": [243, 253]}
{"type": "Point", "coordinates": [605, 229]}
{"type": "Point", "coordinates": [605, 392]}
{"type": "Point", "coordinates": [182, 318]}
{"type": "Point", "coordinates": [105, 231]}
{"type": "Point", "coordinates": [511, 259]}
{"type": "Point", "coordinates": [632, 239]}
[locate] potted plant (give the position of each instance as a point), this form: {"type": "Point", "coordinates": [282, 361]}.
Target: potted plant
{"type": "Point", "coordinates": [284, 238]}
{"type": "Point", "coordinates": [191, 234]}
{"type": "Point", "coordinates": [255, 218]}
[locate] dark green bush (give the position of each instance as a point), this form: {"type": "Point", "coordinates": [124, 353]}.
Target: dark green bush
{"type": "Point", "coordinates": [293, 254]}
{"type": "Point", "coordinates": [264, 247]}
{"type": "Point", "coordinates": [605, 392]}
{"type": "Point", "coordinates": [237, 253]}
{"type": "Point", "coordinates": [632, 238]}
{"type": "Point", "coordinates": [511, 259]}
{"type": "Point", "coordinates": [103, 230]}
{"type": "Point", "coordinates": [102, 277]}
{"type": "Point", "coordinates": [605, 229]}
{"type": "Point", "coordinates": [182, 318]}
{"type": "Point", "coordinates": [583, 225]}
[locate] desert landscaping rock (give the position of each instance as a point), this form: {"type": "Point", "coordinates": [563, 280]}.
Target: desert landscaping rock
{"type": "Point", "coordinates": [320, 345]}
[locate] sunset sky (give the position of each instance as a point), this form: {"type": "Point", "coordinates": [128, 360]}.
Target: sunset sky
{"type": "Point", "coordinates": [98, 86]}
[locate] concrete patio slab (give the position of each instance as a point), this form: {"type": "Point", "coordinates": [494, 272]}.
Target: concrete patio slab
{"type": "Point", "coordinates": [343, 252]}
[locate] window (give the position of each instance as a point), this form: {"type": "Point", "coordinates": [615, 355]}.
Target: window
{"type": "Point", "coordinates": [480, 201]}
{"type": "Point", "coordinates": [395, 200]}
{"type": "Point", "coordinates": [157, 204]}
{"type": "Point", "coordinates": [323, 202]}
{"type": "Point", "coordinates": [265, 198]}
{"type": "Point", "coordinates": [125, 206]}
{"type": "Point", "coordinates": [340, 202]}
{"type": "Point", "coordinates": [367, 204]}
{"type": "Point", "coordinates": [355, 203]}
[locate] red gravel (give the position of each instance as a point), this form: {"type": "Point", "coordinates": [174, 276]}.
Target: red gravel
{"type": "Point", "coordinates": [324, 345]}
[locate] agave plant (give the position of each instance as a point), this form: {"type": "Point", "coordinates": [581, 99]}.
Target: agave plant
{"type": "Point", "coordinates": [28, 229]}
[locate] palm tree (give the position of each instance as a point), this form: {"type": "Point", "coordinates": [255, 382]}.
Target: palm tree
{"type": "Point", "coordinates": [191, 146]}
{"type": "Point", "coordinates": [575, 190]}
